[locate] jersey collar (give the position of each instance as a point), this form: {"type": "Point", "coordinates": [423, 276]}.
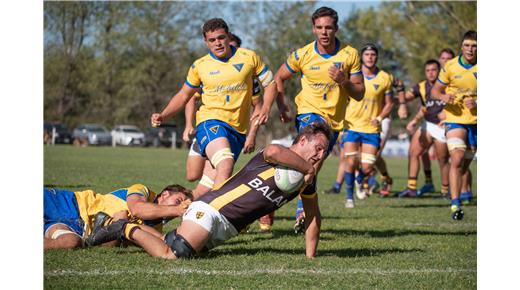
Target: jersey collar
{"type": "Point", "coordinates": [466, 66]}
{"type": "Point", "coordinates": [326, 55]}
{"type": "Point", "coordinates": [225, 59]}
{"type": "Point", "coordinates": [375, 75]}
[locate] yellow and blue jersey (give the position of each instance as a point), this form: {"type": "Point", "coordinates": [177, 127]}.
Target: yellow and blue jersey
{"type": "Point", "coordinates": [320, 94]}
{"type": "Point", "coordinates": [227, 86]}
{"type": "Point", "coordinates": [461, 80]}
{"type": "Point", "coordinates": [90, 202]}
{"type": "Point", "coordinates": [360, 113]}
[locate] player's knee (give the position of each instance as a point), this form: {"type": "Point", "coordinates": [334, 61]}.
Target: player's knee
{"type": "Point", "coordinates": [192, 175]}
{"type": "Point", "coordinates": [455, 143]}
{"type": "Point", "coordinates": [179, 246]}
{"type": "Point", "coordinates": [68, 239]}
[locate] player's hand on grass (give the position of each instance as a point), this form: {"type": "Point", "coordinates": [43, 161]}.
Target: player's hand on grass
{"type": "Point", "coordinates": [156, 120]}
{"type": "Point", "coordinates": [188, 134]}
{"type": "Point", "coordinates": [249, 145]}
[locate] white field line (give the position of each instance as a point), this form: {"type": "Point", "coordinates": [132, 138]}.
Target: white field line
{"type": "Point", "coordinates": [100, 272]}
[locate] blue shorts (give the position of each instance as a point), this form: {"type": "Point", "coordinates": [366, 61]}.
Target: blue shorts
{"type": "Point", "coordinates": [471, 129]}
{"type": "Point", "coordinates": [304, 120]}
{"type": "Point", "coordinates": [373, 139]}
{"type": "Point", "coordinates": [210, 130]}
{"type": "Point", "coordinates": [60, 207]}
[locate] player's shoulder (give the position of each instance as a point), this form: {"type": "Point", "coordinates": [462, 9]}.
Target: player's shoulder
{"type": "Point", "coordinates": [303, 51]}
{"type": "Point", "coordinates": [138, 187]}
{"type": "Point", "coordinates": [388, 77]}
{"type": "Point", "coordinates": [204, 59]}
{"type": "Point", "coordinates": [348, 50]}
{"type": "Point", "coordinates": [450, 64]}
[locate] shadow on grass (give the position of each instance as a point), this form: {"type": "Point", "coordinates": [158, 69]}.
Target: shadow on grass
{"type": "Point", "coordinates": [350, 252]}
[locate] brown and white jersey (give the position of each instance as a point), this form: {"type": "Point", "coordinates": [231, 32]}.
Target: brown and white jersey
{"type": "Point", "coordinates": [251, 193]}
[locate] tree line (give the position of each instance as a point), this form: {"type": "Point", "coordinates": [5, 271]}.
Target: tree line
{"type": "Point", "coordinates": [117, 62]}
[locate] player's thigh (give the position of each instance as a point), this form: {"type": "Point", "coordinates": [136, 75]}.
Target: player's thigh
{"type": "Point", "coordinates": [194, 167]}
{"type": "Point", "coordinates": [219, 152]}
{"type": "Point", "coordinates": [67, 236]}
{"type": "Point", "coordinates": [194, 234]}
{"type": "Point", "coordinates": [419, 142]}
{"type": "Point", "coordinates": [442, 150]}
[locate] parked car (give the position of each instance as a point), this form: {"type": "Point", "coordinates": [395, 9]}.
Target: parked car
{"type": "Point", "coordinates": [162, 136]}
{"type": "Point", "coordinates": [62, 133]}
{"type": "Point", "coordinates": [91, 134]}
{"type": "Point", "coordinates": [127, 135]}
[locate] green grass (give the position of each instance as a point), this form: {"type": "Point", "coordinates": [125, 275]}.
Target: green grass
{"type": "Point", "coordinates": [382, 243]}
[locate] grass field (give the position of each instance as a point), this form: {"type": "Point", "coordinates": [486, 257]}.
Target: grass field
{"type": "Point", "coordinates": [382, 243]}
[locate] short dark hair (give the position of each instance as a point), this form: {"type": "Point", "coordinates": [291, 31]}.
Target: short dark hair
{"type": "Point", "coordinates": [432, 61]}
{"type": "Point", "coordinates": [370, 46]}
{"type": "Point", "coordinates": [236, 39]}
{"type": "Point", "coordinates": [214, 24]}
{"type": "Point", "coordinates": [470, 34]}
{"type": "Point", "coordinates": [325, 11]}
{"type": "Point", "coordinates": [447, 50]}
{"type": "Point", "coordinates": [178, 188]}
{"type": "Point", "coordinates": [312, 129]}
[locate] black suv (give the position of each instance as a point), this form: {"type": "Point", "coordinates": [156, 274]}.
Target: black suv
{"type": "Point", "coordinates": [162, 136]}
{"type": "Point", "coordinates": [62, 136]}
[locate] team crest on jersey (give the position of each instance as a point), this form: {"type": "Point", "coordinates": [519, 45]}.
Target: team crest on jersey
{"type": "Point", "coordinates": [376, 86]}
{"type": "Point", "coordinates": [238, 66]}
{"type": "Point", "coordinates": [199, 215]}
{"type": "Point", "coordinates": [214, 129]}
{"type": "Point", "coordinates": [475, 74]}
{"type": "Point", "coordinates": [338, 64]}
{"type": "Point", "coordinates": [306, 119]}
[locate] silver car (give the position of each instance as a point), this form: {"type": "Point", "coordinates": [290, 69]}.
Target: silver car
{"type": "Point", "coordinates": [92, 134]}
{"type": "Point", "coordinates": [127, 135]}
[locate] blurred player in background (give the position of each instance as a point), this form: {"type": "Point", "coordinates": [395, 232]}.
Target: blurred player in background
{"type": "Point", "coordinates": [430, 131]}
{"type": "Point", "coordinates": [226, 77]}
{"type": "Point", "coordinates": [458, 79]}
{"type": "Point", "coordinates": [330, 72]}
{"type": "Point", "coordinates": [68, 216]}
{"type": "Point", "coordinates": [363, 120]}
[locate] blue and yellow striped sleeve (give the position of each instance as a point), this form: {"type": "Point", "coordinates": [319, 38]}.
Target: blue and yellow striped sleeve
{"type": "Point", "coordinates": [138, 189]}
{"type": "Point", "coordinates": [193, 78]}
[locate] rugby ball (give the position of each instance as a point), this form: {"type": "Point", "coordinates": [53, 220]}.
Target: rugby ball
{"type": "Point", "coordinates": [287, 179]}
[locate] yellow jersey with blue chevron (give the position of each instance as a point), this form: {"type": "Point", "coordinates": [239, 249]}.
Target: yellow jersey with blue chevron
{"type": "Point", "coordinates": [227, 86]}
{"type": "Point", "coordinates": [320, 94]}
{"type": "Point", "coordinates": [461, 80]}
{"type": "Point", "coordinates": [360, 113]}
{"type": "Point", "coordinates": [90, 202]}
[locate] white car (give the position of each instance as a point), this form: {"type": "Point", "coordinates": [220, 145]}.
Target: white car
{"type": "Point", "coordinates": [127, 135]}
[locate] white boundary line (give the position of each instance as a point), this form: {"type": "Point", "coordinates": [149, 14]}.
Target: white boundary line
{"type": "Point", "coordinates": [58, 273]}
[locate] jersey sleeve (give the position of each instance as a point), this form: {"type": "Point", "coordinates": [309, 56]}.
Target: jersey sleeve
{"type": "Point", "coordinates": [354, 63]}
{"type": "Point", "coordinates": [193, 78]}
{"type": "Point", "coordinates": [138, 189]}
{"type": "Point", "coordinates": [388, 90]}
{"type": "Point", "coordinates": [415, 91]}
{"type": "Point", "coordinates": [293, 62]}
{"type": "Point", "coordinates": [444, 76]}
{"type": "Point", "coordinates": [256, 89]}
{"type": "Point", "coordinates": [309, 191]}
{"type": "Point", "coordinates": [262, 71]}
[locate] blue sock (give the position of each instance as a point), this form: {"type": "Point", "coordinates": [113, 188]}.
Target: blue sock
{"type": "Point", "coordinates": [455, 201]}
{"type": "Point", "coordinates": [299, 208]}
{"type": "Point", "coordinates": [337, 186]}
{"type": "Point", "coordinates": [372, 180]}
{"type": "Point", "coordinates": [360, 177]}
{"type": "Point", "coordinates": [349, 181]}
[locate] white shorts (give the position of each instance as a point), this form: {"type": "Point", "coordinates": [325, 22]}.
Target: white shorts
{"type": "Point", "coordinates": [385, 128]}
{"type": "Point", "coordinates": [219, 228]}
{"type": "Point", "coordinates": [437, 132]}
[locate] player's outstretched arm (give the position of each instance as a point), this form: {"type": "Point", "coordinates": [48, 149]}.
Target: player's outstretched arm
{"type": "Point", "coordinates": [437, 93]}
{"type": "Point", "coordinates": [281, 76]}
{"type": "Point", "coordinates": [140, 208]}
{"type": "Point", "coordinates": [249, 145]}
{"type": "Point", "coordinates": [312, 224]}
{"type": "Point", "coordinates": [189, 116]}
{"type": "Point", "coordinates": [277, 154]}
{"type": "Point", "coordinates": [177, 102]}
{"type": "Point", "coordinates": [269, 96]}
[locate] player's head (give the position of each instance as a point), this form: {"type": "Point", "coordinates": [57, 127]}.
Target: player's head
{"type": "Point", "coordinates": [173, 195]}
{"type": "Point", "coordinates": [312, 142]}
{"type": "Point", "coordinates": [325, 25]}
{"type": "Point", "coordinates": [216, 36]}
{"type": "Point", "coordinates": [469, 46]}
{"type": "Point", "coordinates": [235, 40]}
{"type": "Point", "coordinates": [369, 55]}
{"type": "Point", "coordinates": [445, 55]}
{"type": "Point", "coordinates": [431, 69]}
